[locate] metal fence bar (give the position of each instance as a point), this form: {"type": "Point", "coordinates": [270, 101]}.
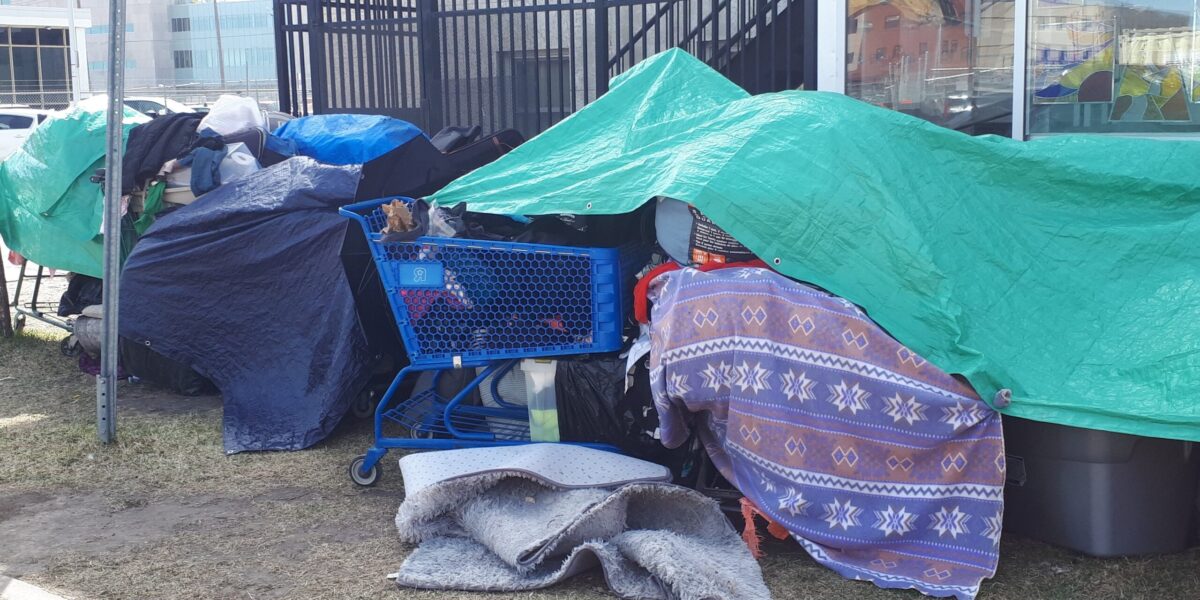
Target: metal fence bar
{"type": "Point", "coordinates": [493, 94]}
{"type": "Point", "coordinates": [601, 56]}
{"type": "Point", "coordinates": [429, 60]}
{"type": "Point", "coordinates": [283, 65]}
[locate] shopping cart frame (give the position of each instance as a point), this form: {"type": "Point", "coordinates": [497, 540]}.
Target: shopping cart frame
{"type": "Point", "coordinates": [34, 308]}
{"type": "Point", "coordinates": [448, 422]}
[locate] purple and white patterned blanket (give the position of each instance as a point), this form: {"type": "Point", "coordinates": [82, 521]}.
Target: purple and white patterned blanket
{"type": "Point", "coordinates": [881, 466]}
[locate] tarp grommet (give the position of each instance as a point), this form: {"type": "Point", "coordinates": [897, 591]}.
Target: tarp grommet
{"type": "Point", "coordinates": [1003, 398]}
{"type": "Point", "coordinates": [589, 206]}
{"type": "Point", "coordinates": [777, 260]}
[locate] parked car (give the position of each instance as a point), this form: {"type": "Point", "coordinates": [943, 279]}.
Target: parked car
{"type": "Point", "coordinates": [16, 123]}
{"type": "Point", "coordinates": [156, 107]}
{"type": "Point", "coordinates": [275, 119]}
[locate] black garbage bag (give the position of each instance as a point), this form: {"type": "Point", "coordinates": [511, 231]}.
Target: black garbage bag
{"type": "Point", "coordinates": [593, 406]}
{"type": "Point", "coordinates": [641, 418]}
{"type": "Point", "coordinates": [589, 392]}
{"type": "Point", "coordinates": [82, 291]}
{"type": "Point", "coordinates": [142, 362]}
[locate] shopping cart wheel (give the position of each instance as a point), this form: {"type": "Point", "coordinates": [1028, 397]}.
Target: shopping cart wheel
{"type": "Point", "coordinates": [364, 405]}
{"type": "Point", "coordinates": [19, 323]}
{"type": "Point", "coordinates": [364, 478]}
{"type": "Point", "coordinates": [69, 346]}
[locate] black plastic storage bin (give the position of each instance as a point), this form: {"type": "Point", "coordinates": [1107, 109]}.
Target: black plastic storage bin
{"type": "Point", "coordinates": [1100, 493]}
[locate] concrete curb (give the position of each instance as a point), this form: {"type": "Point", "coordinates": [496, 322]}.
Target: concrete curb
{"type": "Point", "coordinates": [15, 589]}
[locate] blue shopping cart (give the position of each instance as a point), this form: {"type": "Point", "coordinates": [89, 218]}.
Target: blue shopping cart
{"type": "Point", "coordinates": [470, 304]}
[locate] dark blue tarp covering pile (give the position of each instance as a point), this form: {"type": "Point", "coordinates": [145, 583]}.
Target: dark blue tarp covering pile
{"type": "Point", "coordinates": [247, 287]}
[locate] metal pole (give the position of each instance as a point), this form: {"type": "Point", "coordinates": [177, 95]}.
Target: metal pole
{"type": "Point", "coordinates": [6, 330]}
{"type": "Point", "coordinates": [106, 384]}
{"type": "Point", "coordinates": [73, 49]}
{"type": "Point", "coordinates": [1019, 67]}
{"type": "Point", "coordinates": [220, 47]}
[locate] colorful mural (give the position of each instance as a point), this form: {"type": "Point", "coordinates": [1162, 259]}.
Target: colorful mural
{"type": "Point", "coordinates": [1073, 61]}
{"type": "Point", "coordinates": [1145, 75]}
{"type": "Point", "coordinates": [1150, 93]}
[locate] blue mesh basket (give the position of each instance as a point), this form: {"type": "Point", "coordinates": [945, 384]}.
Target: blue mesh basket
{"type": "Point", "coordinates": [471, 301]}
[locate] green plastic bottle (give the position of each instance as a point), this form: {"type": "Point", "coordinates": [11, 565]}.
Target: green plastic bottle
{"type": "Point", "coordinates": [543, 406]}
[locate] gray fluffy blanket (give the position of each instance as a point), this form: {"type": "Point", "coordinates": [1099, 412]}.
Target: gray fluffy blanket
{"type": "Point", "coordinates": [510, 530]}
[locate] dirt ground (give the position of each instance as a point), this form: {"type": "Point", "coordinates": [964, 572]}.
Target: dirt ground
{"type": "Point", "coordinates": [164, 513]}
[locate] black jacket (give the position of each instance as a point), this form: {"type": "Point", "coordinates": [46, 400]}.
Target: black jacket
{"type": "Point", "coordinates": [154, 143]}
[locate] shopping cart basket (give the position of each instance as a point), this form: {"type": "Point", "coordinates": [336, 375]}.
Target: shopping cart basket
{"type": "Point", "coordinates": [471, 304]}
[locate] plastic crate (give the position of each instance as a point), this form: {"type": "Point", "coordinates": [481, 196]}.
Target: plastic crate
{"type": "Point", "coordinates": [1097, 492]}
{"type": "Point", "coordinates": [459, 301]}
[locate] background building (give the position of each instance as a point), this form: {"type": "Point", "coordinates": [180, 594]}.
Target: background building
{"type": "Point", "coordinates": [247, 41]}
{"type": "Point", "coordinates": [174, 48]}
{"type": "Point", "coordinates": [39, 58]}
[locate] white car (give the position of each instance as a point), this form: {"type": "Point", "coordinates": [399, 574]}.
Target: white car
{"type": "Point", "coordinates": [156, 107]}
{"type": "Point", "coordinates": [16, 123]}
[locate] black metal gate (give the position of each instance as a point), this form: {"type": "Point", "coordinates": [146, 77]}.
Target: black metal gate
{"type": "Point", "coordinates": [524, 64]}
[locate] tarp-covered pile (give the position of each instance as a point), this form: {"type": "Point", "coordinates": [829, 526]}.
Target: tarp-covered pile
{"type": "Point", "coordinates": [1063, 269]}
{"type": "Point", "coordinates": [246, 286]}
{"type": "Point", "coordinates": [50, 211]}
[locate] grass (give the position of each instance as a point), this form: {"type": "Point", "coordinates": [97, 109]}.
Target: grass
{"type": "Point", "coordinates": [164, 513]}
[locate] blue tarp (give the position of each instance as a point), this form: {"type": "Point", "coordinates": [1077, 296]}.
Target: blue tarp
{"type": "Point", "coordinates": [347, 139]}
{"type": "Point", "coordinates": [247, 287]}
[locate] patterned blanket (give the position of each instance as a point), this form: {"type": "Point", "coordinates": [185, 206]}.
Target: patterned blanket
{"type": "Point", "coordinates": [881, 466]}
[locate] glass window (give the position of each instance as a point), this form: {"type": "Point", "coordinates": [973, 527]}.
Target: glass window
{"type": "Point", "coordinates": [15, 122]}
{"type": "Point", "coordinates": [948, 61]}
{"type": "Point", "coordinates": [54, 69]}
{"type": "Point", "coordinates": [1113, 66]}
{"type": "Point", "coordinates": [24, 36]}
{"type": "Point", "coordinates": [51, 37]}
{"type": "Point", "coordinates": [183, 59]}
{"type": "Point", "coordinates": [25, 69]}
{"type": "Point", "coordinates": [6, 74]}
{"type": "Point", "coordinates": [147, 107]}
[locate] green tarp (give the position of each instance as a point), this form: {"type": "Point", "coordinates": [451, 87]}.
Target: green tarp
{"type": "Point", "coordinates": [1065, 269]}
{"type": "Point", "coordinates": [50, 212]}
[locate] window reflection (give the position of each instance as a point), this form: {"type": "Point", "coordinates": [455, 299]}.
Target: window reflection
{"type": "Point", "coordinates": [1112, 66]}
{"type": "Point", "coordinates": [948, 61]}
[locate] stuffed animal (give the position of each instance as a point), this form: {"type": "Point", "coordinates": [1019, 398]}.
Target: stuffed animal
{"type": "Point", "coordinates": [399, 217]}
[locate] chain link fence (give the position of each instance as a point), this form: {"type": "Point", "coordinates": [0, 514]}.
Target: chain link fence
{"type": "Point", "coordinates": [56, 95]}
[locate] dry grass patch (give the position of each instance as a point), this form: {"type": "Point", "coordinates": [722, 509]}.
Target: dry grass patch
{"type": "Point", "coordinates": [164, 513]}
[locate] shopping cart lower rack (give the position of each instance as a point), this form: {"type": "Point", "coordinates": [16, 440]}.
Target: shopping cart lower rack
{"type": "Point", "coordinates": [470, 304]}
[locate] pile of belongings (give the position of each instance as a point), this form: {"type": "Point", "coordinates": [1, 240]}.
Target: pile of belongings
{"type": "Point", "coordinates": [224, 219]}
{"type": "Point", "coordinates": [260, 286]}
{"type": "Point", "coordinates": [835, 319]}
{"type": "Point", "coordinates": [823, 280]}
